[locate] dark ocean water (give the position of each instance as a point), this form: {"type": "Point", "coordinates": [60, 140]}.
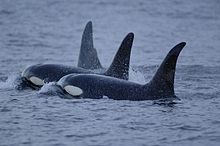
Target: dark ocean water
{"type": "Point", "coordinates": [49, 31]}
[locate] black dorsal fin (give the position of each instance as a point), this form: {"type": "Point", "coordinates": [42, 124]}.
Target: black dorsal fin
{"type": "Point", "coordinates": [163, 81]}
{"type": "Point", "coordinates": [120, 65]}
{"type": "Point", "coordinates": [88, 57]}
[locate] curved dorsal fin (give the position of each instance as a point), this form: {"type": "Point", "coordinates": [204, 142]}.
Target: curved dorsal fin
{"type": "Point", "coordinates": [120, 65]}
{"type": "Point", "coordinates": [88, 57]}
{"type": "Point", "coordinates": [163, 81]}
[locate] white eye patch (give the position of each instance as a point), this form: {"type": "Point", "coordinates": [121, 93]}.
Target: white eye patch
{"type": "Point", "coordinates": [36, 81]}
{"type": "Point", "coordinates": [73, 90]}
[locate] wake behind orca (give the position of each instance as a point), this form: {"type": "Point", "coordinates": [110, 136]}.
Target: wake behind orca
{"type": "Point", "coordinates": [36, 75]}
{"type": "Point", "coordinates": [97, 86]}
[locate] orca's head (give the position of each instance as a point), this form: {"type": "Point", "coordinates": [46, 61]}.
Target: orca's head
{"type": "Point", "coordinates": [37, 75]}
{"type": "Point", "coordinates": [33, 76]}
{"type": "Point", "coordinates": [70, 87]}
{"type": "Point", "coordinates": [80, 86]}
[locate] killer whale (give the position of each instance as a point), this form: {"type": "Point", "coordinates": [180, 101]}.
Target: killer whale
{"type": "Point", "coordinates": [96, 86]}
{"type": "Point", "coordinates": [36, 75]}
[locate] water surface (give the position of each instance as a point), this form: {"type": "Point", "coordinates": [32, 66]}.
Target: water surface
{"type": "Point", "coordinates": [49, 31]}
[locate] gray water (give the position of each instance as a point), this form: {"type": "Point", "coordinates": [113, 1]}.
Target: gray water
{"type": "Point", "coordinates": [49, 31]}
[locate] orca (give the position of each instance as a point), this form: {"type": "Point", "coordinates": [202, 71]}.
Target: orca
{"type": "Point", "coordinates": [36, 75]}
{"type": "Point", "coordinates": [96, 86]}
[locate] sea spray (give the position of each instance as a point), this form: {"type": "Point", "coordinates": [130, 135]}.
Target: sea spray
{"type": "Point", "coordinates": [10, 83]}
{"type": "Point", "coordinates": [136, 76]}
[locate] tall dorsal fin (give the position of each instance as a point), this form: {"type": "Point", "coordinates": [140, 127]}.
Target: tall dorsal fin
{"type": "Point", "coordinates": [120, 65]}
{"type": "Point", "coordinates": [88, 57]}
{"type": "Point", "coordinates": [163, 81]}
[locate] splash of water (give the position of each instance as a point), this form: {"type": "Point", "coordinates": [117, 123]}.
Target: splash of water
{"type": "Point", "coordinates": [10, 82]}
{"type": "Point", "coordinates": [48, 89]}
{"type": "Point", "coordinates": [136, 76]}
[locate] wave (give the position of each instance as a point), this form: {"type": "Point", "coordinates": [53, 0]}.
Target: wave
{"type": "Point", "coordinates": [9, 83]}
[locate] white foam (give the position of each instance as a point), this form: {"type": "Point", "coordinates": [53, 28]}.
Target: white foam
{"type": "Point", "coordinates": [9, 83]}
{"type": "Point", "coordinates": [136, 76]}
{"type": "Point", "coordinates": [48, 88]}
